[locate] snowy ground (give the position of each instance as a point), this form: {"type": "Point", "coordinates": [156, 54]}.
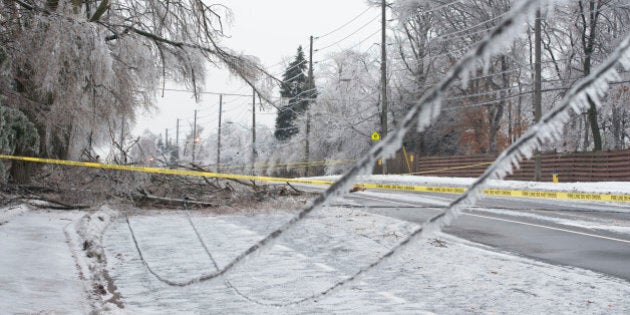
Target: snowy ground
{"type": "Point", "coordinates": [59, 261]}
{"type": "Point", "coordinates": [444, 275]}
{"type": "Point", "coordinates": [37, 268]}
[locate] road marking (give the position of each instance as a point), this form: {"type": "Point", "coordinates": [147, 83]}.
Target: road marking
{"type": "Point", "coordinates": [518, 222]}
{"type": "Point", "coordinates": [551, 228]}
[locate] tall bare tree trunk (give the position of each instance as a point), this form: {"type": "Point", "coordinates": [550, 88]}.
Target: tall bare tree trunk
{"type": "Point", "coordinates": [588, 42]}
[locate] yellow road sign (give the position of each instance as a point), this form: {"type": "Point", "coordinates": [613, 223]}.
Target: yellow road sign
{"type": "Point", "coordinates": [376, 136]}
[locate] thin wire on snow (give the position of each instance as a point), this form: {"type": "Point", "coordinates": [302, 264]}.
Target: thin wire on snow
{"type": "Point", "coordinates": [424, 112]}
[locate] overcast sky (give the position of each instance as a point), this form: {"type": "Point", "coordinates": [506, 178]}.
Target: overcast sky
{"type": "Point", "coordinates": [270, 30]}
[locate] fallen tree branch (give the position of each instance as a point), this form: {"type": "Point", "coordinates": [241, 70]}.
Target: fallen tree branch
{"type": "Point", "coordinates": [196, 167]}
{"type": "Point", "coordinates": [295, 189]}
{"type": "Point", "coordinates": [53, 204]}
{"type": "Point", "coordinates": [171, 201]}
{"type": "Point", "coordinates": [253, 185]}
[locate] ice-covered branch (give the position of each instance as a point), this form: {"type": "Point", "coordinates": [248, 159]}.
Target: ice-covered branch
{"type": "Point", "coordinates": [592, 87]}
{"type": "Point", "coordinates": [424, 111]}
{"type": "Point", "coordinates": [578, 98]}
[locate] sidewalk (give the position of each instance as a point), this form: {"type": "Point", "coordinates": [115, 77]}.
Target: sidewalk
{"type": "Point", "coordinates": [37, 271]}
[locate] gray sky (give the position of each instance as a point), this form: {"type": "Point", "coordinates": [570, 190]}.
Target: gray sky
{"type": "Point", "coordinates": [270, 30]}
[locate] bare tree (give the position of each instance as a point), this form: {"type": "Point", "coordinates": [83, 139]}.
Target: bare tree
{"type": "Point", "coordinates": [77, 67]}
{"type": "Point", "coordinates": [431, 36]}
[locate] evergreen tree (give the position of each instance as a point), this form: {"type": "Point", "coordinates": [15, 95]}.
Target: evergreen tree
{"type": "Point", "coordinates": [294, 88]}
{"type": "Point", "coordinates": [18, 136]}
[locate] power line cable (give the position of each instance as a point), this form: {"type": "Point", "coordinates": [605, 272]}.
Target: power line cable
{"type": "Point", "coordinates": [349, 35]}
{"type": "Point", "coordinates": [208, 92]}
{"type": "Point", "coordinates": [353, 46]}
{"type": "Point", "coordinates": [345, 24]}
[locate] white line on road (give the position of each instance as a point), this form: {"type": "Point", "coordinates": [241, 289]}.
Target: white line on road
{"type": "Point", "coordinates": [514, 221]}
{"type": "Point", "coordinates": [550, 228]}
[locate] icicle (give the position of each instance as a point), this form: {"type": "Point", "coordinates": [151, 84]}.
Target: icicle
{"type": "Point", "coordinates": [429, 113]}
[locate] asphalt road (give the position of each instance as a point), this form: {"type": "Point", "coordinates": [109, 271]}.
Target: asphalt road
{"type": "Point", "coordinates": [533, 228]}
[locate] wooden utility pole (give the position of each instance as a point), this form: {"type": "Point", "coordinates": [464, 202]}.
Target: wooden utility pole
{"type": "Point", "coordinates": [219, 134]}
{"type": "Point", "coordinates": [384, 75]}
{"type": "Point", "coordinates": [537, 86]}
{"type": "Point", "coordinates": [310, 87]}
{"type": "Point", "coordinates": [177, 140]}
{"type": "Point", "coordinates": [194, 139]}
{"type": "Point", "coordinates": [177, 132]}
{"type": "Point", "coordinates": [254, 153]}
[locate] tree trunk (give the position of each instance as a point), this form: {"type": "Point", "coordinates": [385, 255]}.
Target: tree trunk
{"type": "Point", "coordinates": [588, 42]}
{"type": "Point", "coordinates": [586, 132]}
{"type": "Point", "coordinates": [616, 128]}
{"type": "Point", "coordinates": [497, 113]}
{"type": "Point", "coordinates": [592, 118]}
{"type": "Point", "coordinates": [20, 173]}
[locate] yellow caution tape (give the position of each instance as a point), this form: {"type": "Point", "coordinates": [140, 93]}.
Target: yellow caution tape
{"type": "Point", "coordinates": [155, 170]}
{"type": "Point", "coordinates": [557, 195]}
{"type": "Point", "coordinates": [430, 189]}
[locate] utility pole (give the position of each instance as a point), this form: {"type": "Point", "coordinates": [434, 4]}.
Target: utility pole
{"type": "Point", "coordinates": [384, 75]}
{"type": "Point", "coordinates": [194, 140]}
{"type": "Point", "coordinates": [254, 153]}
{"type": "Point", "coordinates": [219, 134]}
{"type": "Point", "coordinates": [537, 86]}
{"type": "Point", "coordinates": [310, 94]}
{"type": "Point", "coordinates": [177, 140]}
{"type": "Point", "coordinates": [167, 147]}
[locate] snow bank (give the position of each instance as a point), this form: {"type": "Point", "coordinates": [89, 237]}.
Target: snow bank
{"type": "Point", "coordinates": [8, 213]}
{"type": "Point", "coordinates": [590, 187]}
{"type": "Point", "coordinates": [85, 238]}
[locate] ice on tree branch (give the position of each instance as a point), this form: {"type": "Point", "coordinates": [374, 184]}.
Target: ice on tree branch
{"type": "Point", "coordinates": [549, 129]}
{"type": "Point", "coordinates": [424, 112]}
{"type": "Point", "coordinates": [177, 30]}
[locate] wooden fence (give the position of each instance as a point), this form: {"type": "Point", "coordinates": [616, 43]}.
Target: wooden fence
{"type": "Point", "coordinates": [571, 167]}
